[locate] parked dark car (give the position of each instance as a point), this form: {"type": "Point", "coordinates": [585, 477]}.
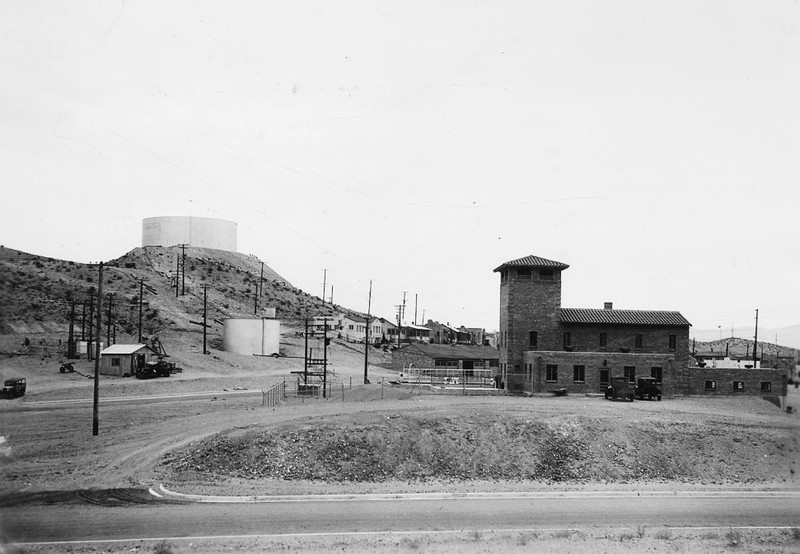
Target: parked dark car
{"type": "Point", "coordinates": [155, 369]}
{"type": "Point", "coordinates": [620, 389]}
{"type": "Point", "coordinates": [646, 387]}
{"type": "Point", "coordinates": [14, 387]}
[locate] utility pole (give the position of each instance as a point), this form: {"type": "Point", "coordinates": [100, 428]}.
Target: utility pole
{"type": "Point", "coordinates": [331, 295]}
{"type": "Point", "coordinates": [95, 414]}
{"type": "Point", "coordinates": [89, 345]}
{"type": "Point", "coordinates": [83, 321]}
{"type": "Point", "coordinates": [366, 339]}
{"type": "Point", "coordinates": [324, 357]}
{"type": "Point", "coordinates": [259, 289]}
{"type": "Point", "coordinates": [108, 320]}
{"type": "Point", "coordinates": [416, 296]}
{"type": "Point", "coordinates": [183, 268]}
{"type": "Point", "coordinates": [71, 339]}
{"type": "Point", "coordinates": [205, 315]}
{"type": "Point", "coordinates": [141, 294]}
{"type": "Point", "coordinates": [324, 285]}
{"type": "Point", "coordinates": [177, 274]}
{"type": "Point", "coordinates": [305, 365]}
{"type": "Point", "coordinates": [755, 342]}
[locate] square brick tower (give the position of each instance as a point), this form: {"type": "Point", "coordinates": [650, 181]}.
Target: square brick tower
{"type": "Point", "coordinates": [530, 300]}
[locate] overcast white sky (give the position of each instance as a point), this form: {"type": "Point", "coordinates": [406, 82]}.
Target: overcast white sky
{"type": "Point", "coordinates": [653, 146]}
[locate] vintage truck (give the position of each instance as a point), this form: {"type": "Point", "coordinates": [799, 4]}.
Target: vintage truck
{"type": "Point", "coordinates": [620, 389]}
{"type": "Point", "coordinates": [646, 387]}
{"type": "Point", "coordinates": [14, 387]}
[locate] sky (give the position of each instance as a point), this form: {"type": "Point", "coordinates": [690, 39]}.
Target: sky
{"type": "Point", "coordinates": [417, 145]}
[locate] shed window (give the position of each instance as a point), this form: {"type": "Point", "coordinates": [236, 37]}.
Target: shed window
{"type": "Point", "coordinates": [766, 386]}
{"type": "Point", "coordinates": [711, 385]}
{"type": "Point", "coordinates": [114, 362]}
{"type": "Point", "coordinates": [738, 386]}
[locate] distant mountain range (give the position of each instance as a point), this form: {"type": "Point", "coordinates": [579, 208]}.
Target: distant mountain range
{"type": "Point", "coordinates": [787, 336]}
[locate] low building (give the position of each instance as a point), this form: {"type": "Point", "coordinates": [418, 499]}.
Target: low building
{"type": "Point", "coordinates": [122, 359]}
{"type": "Point", "coordinates": [434, 356]}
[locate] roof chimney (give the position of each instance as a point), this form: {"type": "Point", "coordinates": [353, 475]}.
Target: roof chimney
{"type": "Point", "coordinates": [608, 306]}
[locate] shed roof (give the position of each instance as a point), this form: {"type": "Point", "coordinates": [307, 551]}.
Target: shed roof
{"type": "Point", "coordinates": [124, 349]}
{"type": "Point", "coordinates": [457, 352]}
{"type": "Point", "coordinates": [533, 261]}
{"type": "Point", "coordinates": [623, 317]}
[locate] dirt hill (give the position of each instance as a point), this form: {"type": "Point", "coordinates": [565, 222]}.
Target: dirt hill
{"type": "Point", "coordinates": [40, 293]}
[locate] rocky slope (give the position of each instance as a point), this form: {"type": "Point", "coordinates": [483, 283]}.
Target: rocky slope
{"type": "Point", "coordinates": [39, 294]}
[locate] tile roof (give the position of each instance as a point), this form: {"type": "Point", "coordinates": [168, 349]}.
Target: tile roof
{"type": "Point", "coordinates": [623, 317]}
{"type": "Point", "coordinates": [533, 261]}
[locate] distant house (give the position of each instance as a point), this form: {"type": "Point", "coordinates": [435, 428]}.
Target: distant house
{"type": "Point", "coordinates": [445, 356]}
{"type": "Point", "coordinates": [354, 329]}
{"type": "Point", "coordinates": [121, 359]}
{"type": "Point", "coordinates": [441, 333]}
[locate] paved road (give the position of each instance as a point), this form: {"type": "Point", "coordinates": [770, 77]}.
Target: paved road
{"type": "Point", "coordinates": [76, 521]}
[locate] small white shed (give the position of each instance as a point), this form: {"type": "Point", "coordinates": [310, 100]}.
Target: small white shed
{"type": "Point", "coordinates": [119, 359]}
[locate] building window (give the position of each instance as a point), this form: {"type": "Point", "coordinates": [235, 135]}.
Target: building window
{"type": "Point", "coordinates": [738, 386]}
{"type": "Point", "coordinates": [604, 377]}
{"type": "Point", "coordinates": [711, 385]}
{"type": "Point", "coordinates": [551, 373]}
{"type": "Point", "coordinates": [533, 339]}
{"type": "Point", "coordinates": [350, 326]}
{"type": "Point", "coordinates": [638, 339]}
{"type": "Point", "coordinates": [766, 386]}
{"type": "Point", "coordinates": [657, 373]}
{"type": "Point", "coordinates": [523, 273]}
{"type": "Point", "coordinates": [567, 338]}
{"type": "Point", "coordinates": [603, 340]}
{"type": "Point", "coordinates": [579, 373]}
{"type": "Point", "coordinates": [630, 373]}
{"type": "Point", "coordinates": [673, 342]}
{"type": "Point", "coordinates": [114, 362]}
{"type": "Point", "coordinates": [546, 274]}
{"type": "Point", "coordinates": [504, 276]}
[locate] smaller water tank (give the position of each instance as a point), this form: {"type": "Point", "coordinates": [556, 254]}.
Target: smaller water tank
{"type": "Point", "coordinates": [248, 336]}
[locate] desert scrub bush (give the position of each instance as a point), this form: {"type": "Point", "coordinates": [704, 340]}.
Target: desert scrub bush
{"type": "Point", "coordinates": [663, 534]}
{"type": "Point", "coordinates": [734, 537]}
{"type": "Point", "coordinates": [162, 547]}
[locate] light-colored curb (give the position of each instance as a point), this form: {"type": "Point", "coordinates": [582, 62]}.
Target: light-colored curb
{"type": "Point", "coordinates": [163, 492]}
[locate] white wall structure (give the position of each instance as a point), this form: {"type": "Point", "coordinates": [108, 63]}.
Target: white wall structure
{"type": "Point", "coordinates": [250, 336]}
{"type": "Point", "coordinates": [202, 232]}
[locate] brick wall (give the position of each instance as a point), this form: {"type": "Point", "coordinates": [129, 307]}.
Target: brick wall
{"type": "Point", "coordinates": [751, 378]}
{"type": "Point", "coordinates": [528, 304]}
{"type": "Point", "coordinates": [536, 362]}
{"type": "Point", "coordinates": [409, 355]}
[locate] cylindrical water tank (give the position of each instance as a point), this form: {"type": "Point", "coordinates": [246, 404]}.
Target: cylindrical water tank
{"type": "Point", "coordinates": [202, 232]}
{"type": "Point", "coordinates": [250, 336]}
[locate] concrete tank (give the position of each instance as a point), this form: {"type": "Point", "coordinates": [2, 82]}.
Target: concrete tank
{"type": "Point", "coordinates": [202, 232]}
{"type": "Point", "coordinates": [250, 336]}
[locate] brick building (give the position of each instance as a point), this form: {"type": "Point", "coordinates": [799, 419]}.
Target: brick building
{"type": "Point", "coordinates": [544, 346]}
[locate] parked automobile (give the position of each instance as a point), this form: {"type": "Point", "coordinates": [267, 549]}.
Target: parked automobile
{"type": "Point", "coordinates": [646, 387]}
{"type": "Point", "coordinates": [14, 387]}
{"type": "Point", "coordinates": [155, 369]}
{"type": "Point", "coordinates": [620, 389]}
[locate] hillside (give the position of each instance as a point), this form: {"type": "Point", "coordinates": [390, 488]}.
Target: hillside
{"type": "Point", "coordinates": [38, 293]}
{"type": "Point", "coordinates": [772, 355]}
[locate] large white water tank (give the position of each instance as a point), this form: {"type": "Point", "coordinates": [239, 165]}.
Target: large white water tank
{"type": "Point", "coordinates": [250, 336]}
{"type": "Point", "coordinates": [202, 232]}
